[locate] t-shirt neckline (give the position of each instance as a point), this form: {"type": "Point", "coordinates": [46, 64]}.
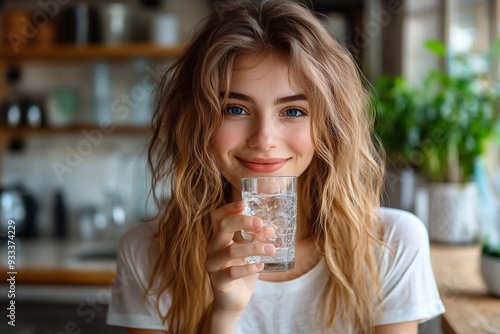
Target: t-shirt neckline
{"type": "Point", "coordinates": [308, 277]}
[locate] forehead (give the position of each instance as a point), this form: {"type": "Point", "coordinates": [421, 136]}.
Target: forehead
{"type": "Point", "coordinates": [258, 69]}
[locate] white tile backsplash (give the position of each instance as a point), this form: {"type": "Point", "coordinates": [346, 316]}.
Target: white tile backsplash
{"type": "Point", "coordinates": [117, 165]}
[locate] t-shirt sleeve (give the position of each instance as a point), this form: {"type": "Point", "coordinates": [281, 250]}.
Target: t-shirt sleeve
{"type": "Point", "coordinates": [409, 290]}
{"type": "Point", "coordinates": [129, 306]}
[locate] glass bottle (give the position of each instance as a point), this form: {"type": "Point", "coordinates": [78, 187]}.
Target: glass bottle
{"type": "Point", "coordinates": [11, 111]}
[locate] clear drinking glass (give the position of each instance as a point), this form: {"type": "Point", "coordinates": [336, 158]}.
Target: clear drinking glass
{"type": "Point", "coordinates": [274, 200]}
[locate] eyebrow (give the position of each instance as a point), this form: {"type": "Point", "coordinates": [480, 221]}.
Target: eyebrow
{"type": "Point", "coordinates": [292, 98]}
{"type": "Point", "coordinates": [281, 100]}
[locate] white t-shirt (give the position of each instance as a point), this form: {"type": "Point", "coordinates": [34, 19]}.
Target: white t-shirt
{"type": "Point", "coordinates": [408, 286]}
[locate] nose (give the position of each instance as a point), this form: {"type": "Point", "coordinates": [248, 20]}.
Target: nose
{"type": "Point", "coordinates": [264, 136]}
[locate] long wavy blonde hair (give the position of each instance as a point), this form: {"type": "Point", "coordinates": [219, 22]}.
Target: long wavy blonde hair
{"type": "Point", "coordinates": [340, 188]}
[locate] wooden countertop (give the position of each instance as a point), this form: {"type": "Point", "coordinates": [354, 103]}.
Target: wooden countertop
{"type": "Point", "coordinates": [469, 307]}
{"type": "Point", "coordinates": [48, 261]}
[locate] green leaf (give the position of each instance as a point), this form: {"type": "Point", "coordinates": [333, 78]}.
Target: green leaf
{"type": "Point", "coordinates": [495, 49]}
{"type": "Point", "coordinates": [436, 47]}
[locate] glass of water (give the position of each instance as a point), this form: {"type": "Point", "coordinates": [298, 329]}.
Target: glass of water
{"type": "Point", "coordinates": [274, 200]}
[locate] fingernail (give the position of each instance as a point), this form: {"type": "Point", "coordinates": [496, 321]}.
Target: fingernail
{"type": "Point", "coordinates": [256, 222]}
{"type": "Point", "coordinates": [259, 266]}
{"type": "Point", "coordinates": [269, 248]}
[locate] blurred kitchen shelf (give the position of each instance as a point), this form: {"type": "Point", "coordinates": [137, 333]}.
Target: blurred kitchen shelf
{"type": "Point", "coordinates": [75, 129]}
{"type": "Point", "coordinates": [98, 51]}
{"type": "Point", "coordinates": [47, 261]}
{"type": "Point", "coordinates": [62, 276]}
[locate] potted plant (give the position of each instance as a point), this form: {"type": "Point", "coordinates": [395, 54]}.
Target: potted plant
{"type": "Point", "coordinates": [490, 266]}
{"type": "Point", "coordinates": [458, 120]}
{"type": "Point", "coordinates": [488, 180]}
{"type": "Point", "coordinates": [396, 108]}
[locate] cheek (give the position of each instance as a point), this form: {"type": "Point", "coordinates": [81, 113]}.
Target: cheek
{"type": "Point", "coordinates": [301, 142]}
{"type": "Point", "coordinates": [224, 139]}
{"type": "Point", "coordinates": [218, 147]}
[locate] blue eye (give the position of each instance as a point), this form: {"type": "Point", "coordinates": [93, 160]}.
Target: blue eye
{"type": "Point", "coordinates": [234, 110]}
{"type": "Point", "coordinates": [293, 112]}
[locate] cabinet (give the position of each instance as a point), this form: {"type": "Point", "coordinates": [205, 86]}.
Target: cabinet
{"type": "Point", "coordinates": [102, 168]}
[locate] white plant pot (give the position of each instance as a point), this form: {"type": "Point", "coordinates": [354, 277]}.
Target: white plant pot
{"type": "Point", "coordinates": [399, 188]}
{"type": "Point", "coordinates": [452, 212]}
{"type": "Point", "coordinates": [490, 270]}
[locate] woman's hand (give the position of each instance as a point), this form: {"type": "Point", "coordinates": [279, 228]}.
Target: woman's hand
{"type": "Point", "coordinates": [232, 279]}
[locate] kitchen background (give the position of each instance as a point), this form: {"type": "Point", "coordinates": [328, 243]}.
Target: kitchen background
{"type": "Point", "coordinates": [100, 162]}
{"type": "Point", "coordinates": [89, 145]}
{"type": "Point", "coordinates": [74, 151]}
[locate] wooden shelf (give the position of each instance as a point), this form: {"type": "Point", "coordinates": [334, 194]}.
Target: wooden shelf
{"type": "Point", "coordinates": [62, 276]}
{"type": "Point", "coordinates": [74, 129]}
{"type": "Point", "coordinates": [71, 52]}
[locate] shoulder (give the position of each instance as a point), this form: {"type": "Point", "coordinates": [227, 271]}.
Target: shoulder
{"type": "Point", "coordinates": [402, 227]}
{"type": "Point", "coordinates": [138, 236]}
{"type": "Point", "coordinates": [406, 240]}
{"type": "Point", "coordinates": [409, 291]}
{"type": "Point", "coordinates": [135, 247]}
{"type": "Point", "coordinates": [131, 304]}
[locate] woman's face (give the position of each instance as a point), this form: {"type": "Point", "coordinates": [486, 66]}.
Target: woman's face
{"type": "Point", "coordinates": [266, 127]}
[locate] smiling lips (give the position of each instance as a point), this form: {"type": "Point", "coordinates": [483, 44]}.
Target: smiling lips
{"type": "Point", "coordinates": [263, 165]}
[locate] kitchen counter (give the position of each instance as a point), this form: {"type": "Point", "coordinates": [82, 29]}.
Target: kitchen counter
{"type": "Point", "coordinates": [54, 264]}
{"type": "Point", "coordinates": [469, 307]}
{"type": "Point", "coordinates": [49, 261]}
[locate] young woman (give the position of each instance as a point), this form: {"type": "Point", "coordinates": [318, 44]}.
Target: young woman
{"type": "Point", "coordinates": [263, 89]}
